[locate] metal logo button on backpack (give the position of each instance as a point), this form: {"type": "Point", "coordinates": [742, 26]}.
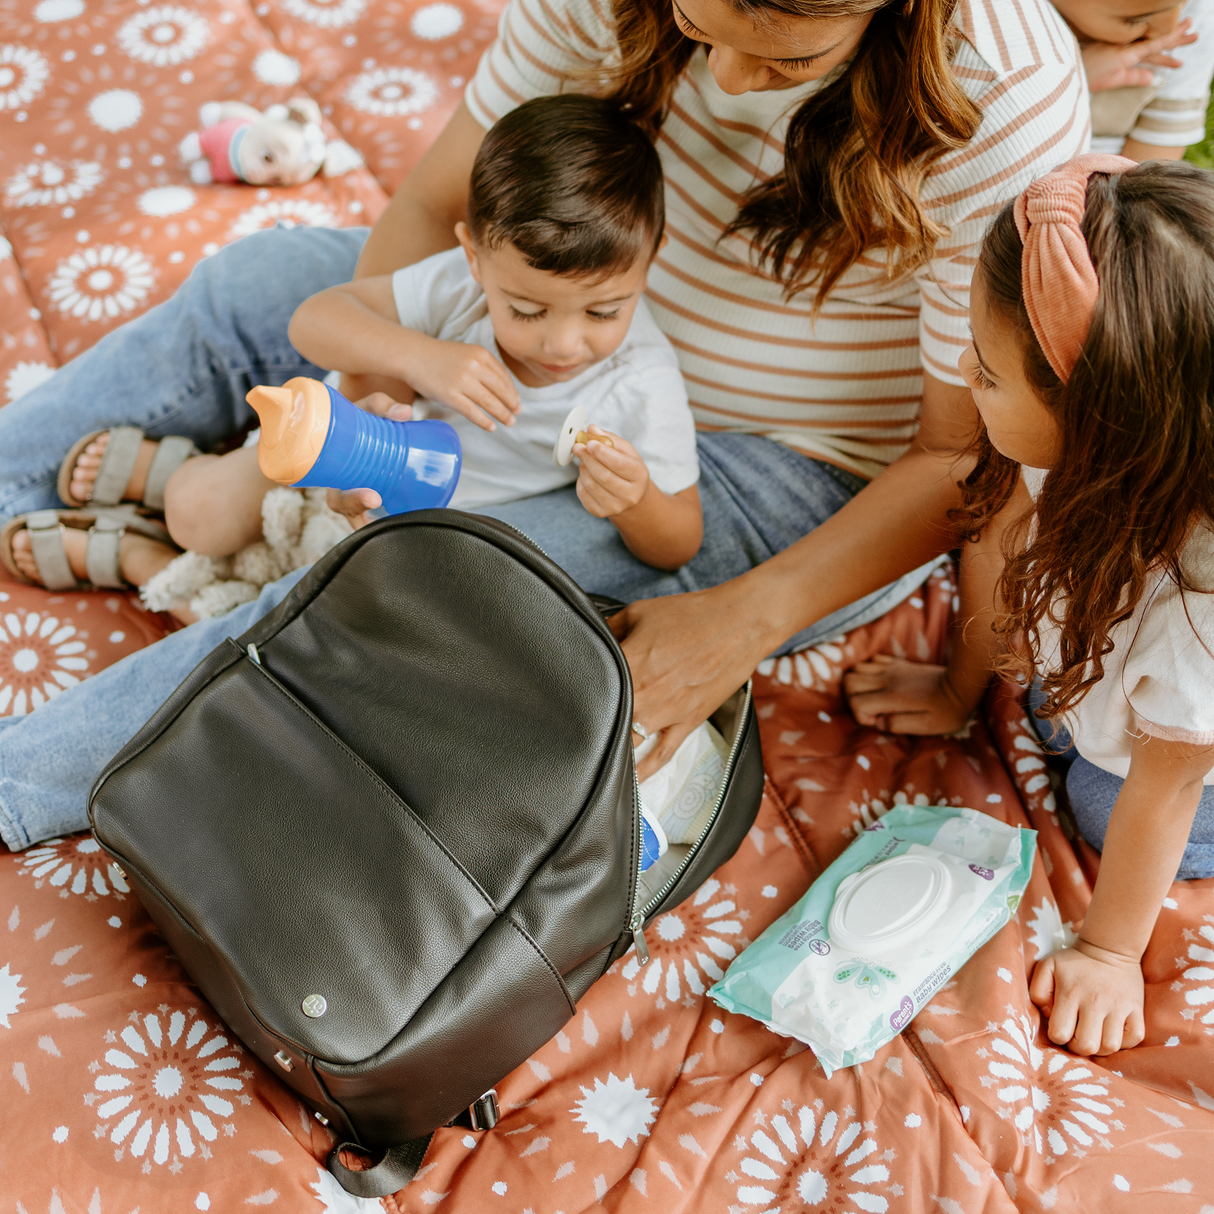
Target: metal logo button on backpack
{"type": "Point", "coordinates": [393, 831]}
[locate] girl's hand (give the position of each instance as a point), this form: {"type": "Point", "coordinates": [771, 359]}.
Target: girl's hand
{"type": "Point", "coordinates": [1093, 998]}
{"type": "Point", "coordinates": [1110, 66]}
{"type": "Point", "coordinates": [464, 377]}
{"type": "Point", "coordinates": [612, 479]}
{"type": "Point", "coordinates": [898, 696]}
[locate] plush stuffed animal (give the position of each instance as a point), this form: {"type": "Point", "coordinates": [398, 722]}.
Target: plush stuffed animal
{"type": "Point", "coordinates": [299, 528]}
{"type": "Point", "coordinates": [283, 146]}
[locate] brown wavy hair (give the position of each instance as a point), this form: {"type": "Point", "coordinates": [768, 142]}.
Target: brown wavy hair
{"type": "Point", "coordinates": [856, 152]}
{"type": "Point", "coordinates": [1136, 469]}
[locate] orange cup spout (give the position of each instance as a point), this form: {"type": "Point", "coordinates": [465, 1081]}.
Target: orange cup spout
{"type": "Point", "coordinates": [294, 425]}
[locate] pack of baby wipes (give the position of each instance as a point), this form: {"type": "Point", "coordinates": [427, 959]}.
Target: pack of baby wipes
{"type": "Point", "coordinates": [881, 930]}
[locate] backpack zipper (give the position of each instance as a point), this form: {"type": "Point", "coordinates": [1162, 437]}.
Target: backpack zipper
{"type": "Point", "coordinates": [638, 920]}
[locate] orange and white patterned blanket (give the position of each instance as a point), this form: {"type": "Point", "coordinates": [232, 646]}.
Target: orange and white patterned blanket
{"type": "Point", "coordinates": [125, 1090]}
{"type": "Point", "coordinates": [121, 1090]}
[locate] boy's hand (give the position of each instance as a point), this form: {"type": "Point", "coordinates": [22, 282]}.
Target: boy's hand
{"type": "Point", "coordinates": [612, 479]}
{"type": "Point", "coordinates": [1093, 998]}
{"type": "Point", "coordinates": [1112, 66]}
{"type": "Point", "coordinates": [466, 378]}
{"type": "Point", "coordinates": [355, 504]}
{"type": "Point", "coordinates": [383, 405]}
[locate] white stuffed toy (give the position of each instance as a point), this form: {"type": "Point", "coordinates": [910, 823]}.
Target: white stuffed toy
{"type": "Point", "coordinates": [284, 146]}
{"type": "Point", "coordinates": [299, 528]}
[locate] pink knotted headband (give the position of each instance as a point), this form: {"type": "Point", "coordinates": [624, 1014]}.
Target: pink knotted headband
{"type": "Point", "coordinates": [1057, 275]}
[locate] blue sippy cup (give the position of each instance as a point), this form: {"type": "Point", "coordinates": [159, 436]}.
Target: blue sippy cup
{"type": "Point", "coordinates": [312, 436]}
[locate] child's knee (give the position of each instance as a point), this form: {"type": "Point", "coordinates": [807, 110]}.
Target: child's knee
{"type": "Point", "coordinates": [189, 503]}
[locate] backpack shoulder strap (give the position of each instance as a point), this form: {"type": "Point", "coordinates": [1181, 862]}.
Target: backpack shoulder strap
{"type": "Point", "coordinates": [395, 1170]}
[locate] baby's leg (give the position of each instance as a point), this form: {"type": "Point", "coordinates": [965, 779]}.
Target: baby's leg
{"type": "Point", "coordinates": [212, 503]}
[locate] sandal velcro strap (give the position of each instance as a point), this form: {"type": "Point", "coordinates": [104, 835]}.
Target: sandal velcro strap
{"type": "Point", "coordinates": [46, 545]}
{"type": "Point", "coordinates": [171, 453]}
{"type": "Point", "coordinates": [101, 552]}
{"type": "Point", "coordinates": [117, 464]}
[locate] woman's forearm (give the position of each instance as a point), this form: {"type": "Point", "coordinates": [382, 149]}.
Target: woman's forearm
{"type": "Point", "coordinates": [421, 217]}
{"type": "Point", "coordinates": [893, 525]}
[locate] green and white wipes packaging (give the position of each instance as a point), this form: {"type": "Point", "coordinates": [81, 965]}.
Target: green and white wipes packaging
{"type": "Point", "coordinates": [881, 930]}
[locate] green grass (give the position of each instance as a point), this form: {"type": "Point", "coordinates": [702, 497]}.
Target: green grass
{"type": "Point", "coordinates": [1202, 154]}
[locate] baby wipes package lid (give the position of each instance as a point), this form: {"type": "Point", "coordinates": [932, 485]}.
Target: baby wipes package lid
{"type": "Point", "coordinates": [881, 930]}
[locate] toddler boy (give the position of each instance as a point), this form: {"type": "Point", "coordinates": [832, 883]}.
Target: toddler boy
{"type": "Point", "coordinates": [539, 309]}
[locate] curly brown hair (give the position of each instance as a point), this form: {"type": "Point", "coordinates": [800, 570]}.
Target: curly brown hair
{"type": "Point", "coordinates": [1136, 469]}
{"type": "Point", "coordinates": [856, 152]}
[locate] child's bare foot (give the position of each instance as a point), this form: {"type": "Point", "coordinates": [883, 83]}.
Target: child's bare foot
{"type": "Point", "coordinates": [139, 556]}
{"type": "Point", "coordinates": [84, 473]}
{"type": "Point", "coordinates": [898, 696]}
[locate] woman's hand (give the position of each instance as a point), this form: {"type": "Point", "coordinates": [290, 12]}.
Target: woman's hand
{"type": "Point", "coordinates": [1112, 66]}
{"type": "Point", "coordinates": [1093, 999]}
{"type": "Point", "coordinates": [688, 654]}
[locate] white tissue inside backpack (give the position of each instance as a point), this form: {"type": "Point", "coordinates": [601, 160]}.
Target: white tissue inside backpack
{"type": "Point", "coordinates": [682, 794]}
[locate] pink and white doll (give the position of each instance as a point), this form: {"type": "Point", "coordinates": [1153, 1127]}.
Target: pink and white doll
{"type": "Point", "coordinates": [283, 146]}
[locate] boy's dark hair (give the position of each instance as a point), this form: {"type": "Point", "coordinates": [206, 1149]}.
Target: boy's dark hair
{"type": "Point", "coordinates": [572, 183]}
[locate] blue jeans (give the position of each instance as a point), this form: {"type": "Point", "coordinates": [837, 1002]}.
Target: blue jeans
{"type": "Point", "coordinates": [1092, 792]}
{"type": "Point", "coordinates": [184, 368]}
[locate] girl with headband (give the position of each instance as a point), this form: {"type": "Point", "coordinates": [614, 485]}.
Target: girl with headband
{"type": "Point", "coordinates": [1090, 556]}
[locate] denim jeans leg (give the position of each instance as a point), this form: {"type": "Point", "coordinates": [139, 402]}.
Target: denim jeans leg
{"type": "Point", "coordinates": [182, 368]}
{"type": "Point", "coordinates": [758, 496]}
{"type": "Point", "coordinates": [50, 758]}
{"type": "Point", "coordinates": [1092, 793]}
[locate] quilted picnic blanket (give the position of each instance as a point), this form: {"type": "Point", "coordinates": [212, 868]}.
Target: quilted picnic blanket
{"type": "Point", "coordinates": [120, 1090]}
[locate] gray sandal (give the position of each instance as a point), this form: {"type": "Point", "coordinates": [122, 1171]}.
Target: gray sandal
{"type": "Point", "coordinates": [105, 531]}
{"type": "Point", "coordinates": [118, 463]}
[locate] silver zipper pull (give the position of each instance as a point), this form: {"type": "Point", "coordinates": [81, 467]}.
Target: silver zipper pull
{"type": "Point", "coordinates": [638, 938]}
{"type": "Point", "coordinates": [254, 656]}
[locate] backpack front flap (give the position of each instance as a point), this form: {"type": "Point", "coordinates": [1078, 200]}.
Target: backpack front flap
{"type": "Point", "coordinates": [389, 828]}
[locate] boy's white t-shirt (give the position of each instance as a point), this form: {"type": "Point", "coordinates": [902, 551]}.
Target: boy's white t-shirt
{"type": "Point", "coordinates": [637, 393]}
{"type": "Point", "coordinates": [1159, 677]}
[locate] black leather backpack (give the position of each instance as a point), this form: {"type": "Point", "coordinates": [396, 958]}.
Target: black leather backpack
{"type": "Point", "coordinates": [392, 832]}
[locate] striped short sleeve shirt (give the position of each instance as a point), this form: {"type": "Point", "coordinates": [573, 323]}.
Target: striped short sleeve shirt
{"type": "Point", "coordinates": [844, 386]}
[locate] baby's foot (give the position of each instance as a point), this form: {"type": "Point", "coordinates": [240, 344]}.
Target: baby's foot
{"type": "Point", "coordinates": [139, 556]}
{"type": "Point", "coordinates": [84, 474]}
{"type": "Point", "coordinates": [898, 696]}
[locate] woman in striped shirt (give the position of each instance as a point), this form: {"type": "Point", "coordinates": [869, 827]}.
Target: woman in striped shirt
{"type": "Point", "coordinates": [830, 167]}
